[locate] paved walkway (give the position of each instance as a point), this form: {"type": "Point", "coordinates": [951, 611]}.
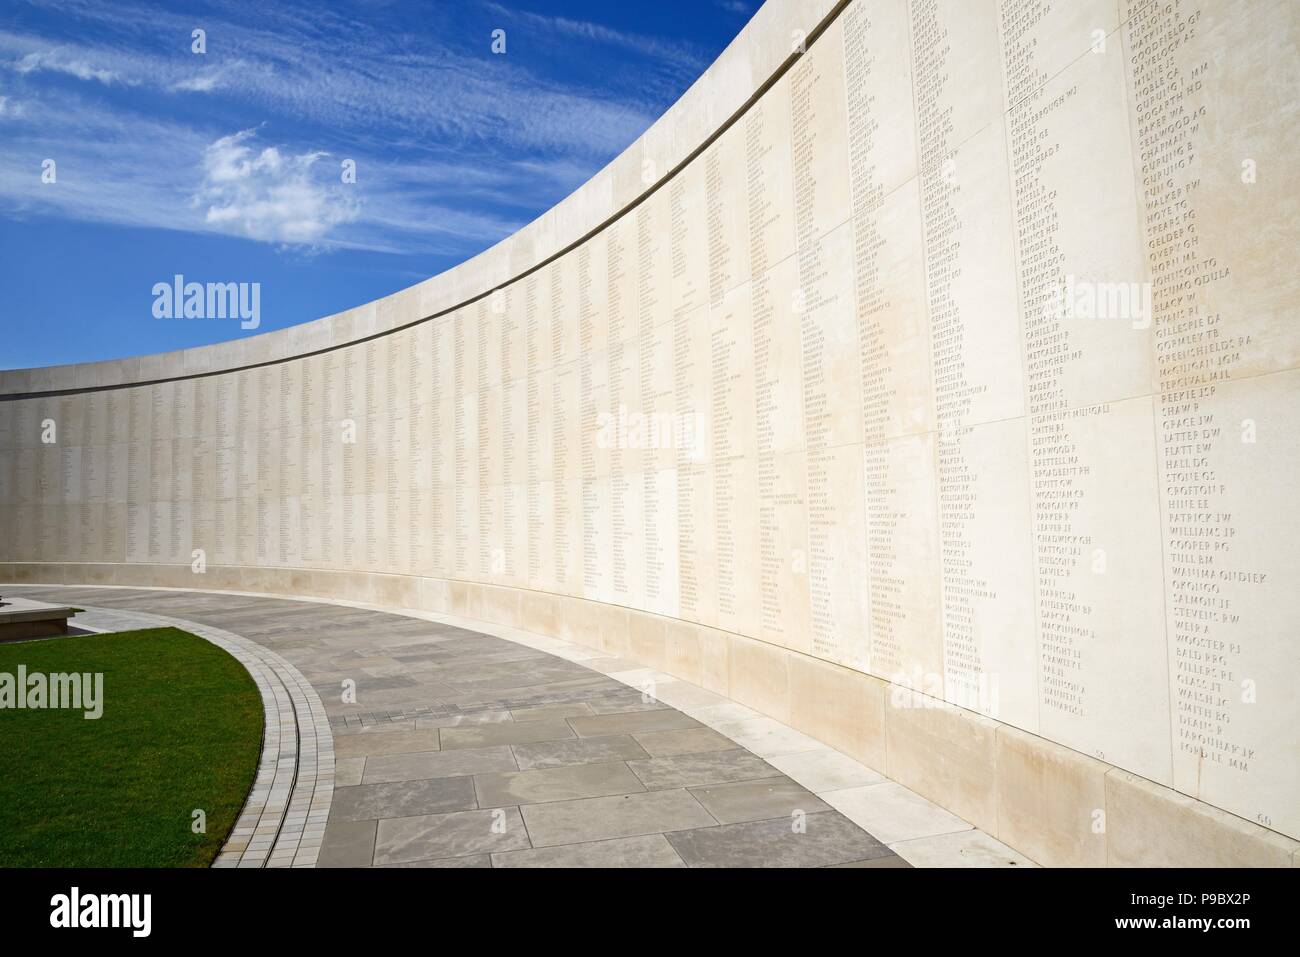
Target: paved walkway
{"type": "Point", "coordinates": [457, 748]}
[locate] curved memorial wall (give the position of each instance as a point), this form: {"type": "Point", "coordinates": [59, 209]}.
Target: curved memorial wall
{"type": "Point", "coordinates": [932, 388]}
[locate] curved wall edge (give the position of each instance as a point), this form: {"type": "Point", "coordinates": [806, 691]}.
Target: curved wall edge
{"type": "Point", "coordinates": [964, 359]}
{"type": "Point", "coordinates": [1030, 793]}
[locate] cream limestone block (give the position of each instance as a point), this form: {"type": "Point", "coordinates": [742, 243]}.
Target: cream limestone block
{"type": "Point", "coordinates": [647, 640]}
{"type": "Point", "coordinates": [614, 628]}
{"type": "Point", "coordinates": [1103, 671]}
{"type": "Point", "coordinates": [715, 660]}
{"type": "Point", "coordinates": [1051, 801]}
{"type": "Point", "coordinates": [947, 754]}
{"type": "Point", "coordinates": [582, 623]}
{"type": "Point", "coordinates": [684, 651]}
{"type": "Point", "coordinates": [1230, 566]}
{"type": "Point", "coordinates": [435, 595]}
{"type": "Point", "coordinates": [903, 559]}
{"type": "Point", "coordinates": [476, 601]}
{"type": "Point", "coordinates": [501, 605]}
{"type": "Point", "coordinates": [839, 707]}
{"type": "Point", "coordinates": [759, 676]}
{"type": "Point", "coordinates": [396, 591]}
{"type": "Point", "coordinates": [986, 558]}
{"type": "Point", "coordinates": [1151, 826]}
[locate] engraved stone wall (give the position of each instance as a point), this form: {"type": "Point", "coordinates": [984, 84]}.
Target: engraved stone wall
{"type": "Point", "coordinates": [965, 357]}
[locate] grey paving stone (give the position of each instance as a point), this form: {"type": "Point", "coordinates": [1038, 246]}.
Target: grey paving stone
{"type": "Point", "coordinates": [385, 742]}
{"type": "Point", "coordinates": [757, 800]}
{"type": "Point", "coordinates": [665, 744]}
{"type": "Point", "coordinates": [436, 764]}
{"type": "Point", "coordinates": [650, 850]}
{"type": "Point", "coordinates": [828, 838]}
{"type": "Point", "coordinates": [461, 719]}
{"type": "Point", "coordinates": [573, 710]}
{"type": "Point", "coordinates": [403, 799]}
{"type": "Point", "coordinates": [695, 770]}
{"type": "Point", "coordinates": [624, 704]}
{"type": "Point", "coordinates": [554, 784]}
{"type": "Point", "coordinates": [408, 725]}
{"type": "Point", "coordinates": [602, 818]}
{"type": "Point", "coordinates": [509, 732]}
{"type": "Point", "coordinates": [367, 684]}
{"type": "Point", "coordinates": [892, 861]}
{"type": "Point", "coordinates": [632, 722]}
{"type": "Point", "coordinates": [347, 844]}
{"type": "Point", "coordinates": [473, 860]}
{"type": "Point", "coordinates": [460, 833]}
{"type": "Point", "coordinates": [554, 754]}
{"type": "Point", "coordinates": [347, 771]}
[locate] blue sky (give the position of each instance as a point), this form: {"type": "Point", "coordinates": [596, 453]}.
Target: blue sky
{"type": "Point", "coordinates": [226, 165]}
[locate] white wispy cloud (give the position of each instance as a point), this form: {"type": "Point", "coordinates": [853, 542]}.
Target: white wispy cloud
{"type": "Point", "coordinates": [454, 146]}
{"type": "Point", "coordinates": [56, 60]}
{"type": "Point", "coordinates": [270, 195]}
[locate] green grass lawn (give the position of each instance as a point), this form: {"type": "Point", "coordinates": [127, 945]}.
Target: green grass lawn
{"type": "Point", "coordinates": [181, 730]}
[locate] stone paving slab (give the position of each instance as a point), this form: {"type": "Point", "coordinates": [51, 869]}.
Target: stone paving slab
{"type": "Point", "coordinates": [552, 754]}
{"type": "Point", "coordinates": [457, 834]}
{"type": "Point", "coordinates": [372, 802]}
{"type": "Point", "coordinates": [503, 789]}
{"type": "Point", "coordinates": [384, 768]}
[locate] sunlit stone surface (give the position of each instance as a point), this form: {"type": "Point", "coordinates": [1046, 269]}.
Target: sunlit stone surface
{"type": "Point", "coordinates": [964, 359]}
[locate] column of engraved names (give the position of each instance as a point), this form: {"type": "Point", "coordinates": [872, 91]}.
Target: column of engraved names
{"type": "Point", "coordinates": [461, 468]}
{"type": "Point", "coordinates": [421, 370]}
{"type": "Point", "coordinates": [1057, 468]}
{"type": "Point", "coordinates": [684, 409]}
{"type": "Point", "coordinates": [616, 412]}
{"type": "Point", "coordinates": [533, 470]}
{"type": "Point", "coordinates": [647, 298]}
{"type": "Point", "coordinates": [487, 548]}
{"type": "Point", "coordinates": [397, 551]}
{"type": "Point", "coordinates": [885, 521]}
{"type": "Point", "coordinates": [954, 393]}
{"type": "Point", "coordinates": [371, 468]}
{"type": "Point", "coordinates": [510, 529]}
{"type": "Point", "coordinates": [162, 476]}
{"type": "Point", "coordinates": [588, 425]}
{"type": "Point", "coordinates": [811, 269]}
{"type": "Point", "coordinates": [1196, 353]}
{"type": "Point", "coordinates": [560, 373]}
{"type": "Point", "coordinates": [726, 450]}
